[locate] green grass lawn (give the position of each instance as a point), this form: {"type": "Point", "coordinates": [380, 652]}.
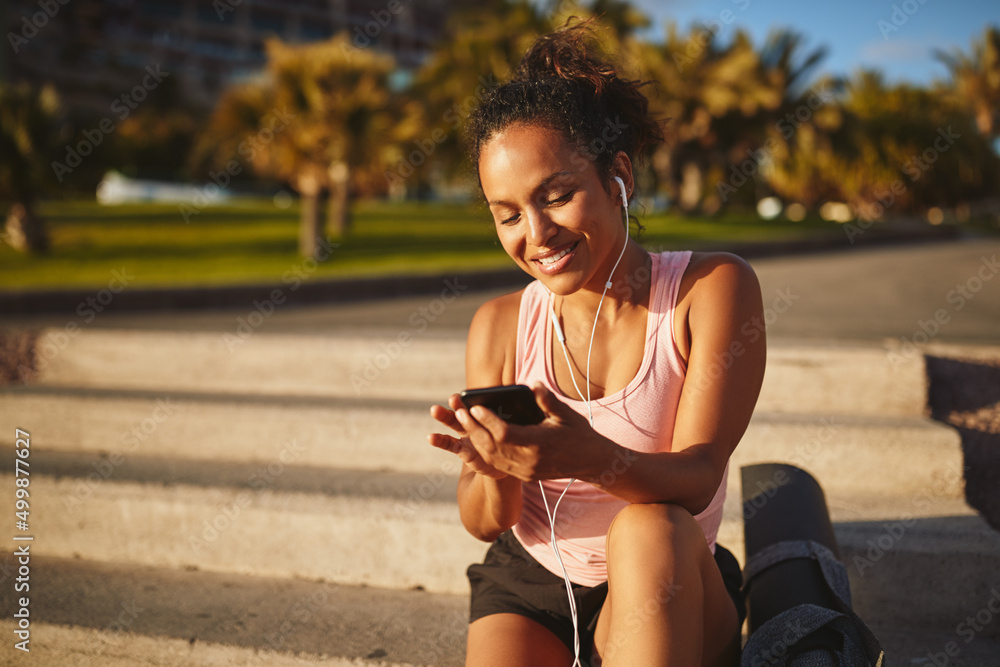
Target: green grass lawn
{"type": "Point", "coordinates": [254, 241]}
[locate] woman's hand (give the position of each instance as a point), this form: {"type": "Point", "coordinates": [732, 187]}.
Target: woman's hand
{"type": "Point", "coordinates": [461, 445]}
{"type": "Point", "coordinates": [562, 445]}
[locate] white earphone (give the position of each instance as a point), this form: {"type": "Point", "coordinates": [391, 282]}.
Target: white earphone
{"type": "Point", "coordinates": [590, 414]}
{"type": "Point", "coordinates": [621, 184]}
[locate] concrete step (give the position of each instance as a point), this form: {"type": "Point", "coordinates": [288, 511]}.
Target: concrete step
{"type": "Point", "coordinates": [847, 453]}
{"type": "Point", "coordinates": [118, 615]}
{"type": "Point", "coordinates": [914, 560]}
{"type": "Point", "coordinates": [843, 379]}
{"type": "Point", "coordinates": [381, 365]}
{"type": "Point", "coordinates": [351, 539]}
{"type": "Point", "coordinates": [860, 457]}
{"type": "Point", "coordinates": [98, 614]}
{"type": "Point", "coordinates": [834, 378]}
{"type": "Point", "coordinates": [911, 648]}
{"type": "Point", "coordinates": [931, 573]}
{"type": "Point", "coordinates": [336, 432]}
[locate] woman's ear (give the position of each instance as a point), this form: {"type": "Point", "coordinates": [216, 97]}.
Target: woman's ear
{"type": "Point", "coordinates": [621, 167]}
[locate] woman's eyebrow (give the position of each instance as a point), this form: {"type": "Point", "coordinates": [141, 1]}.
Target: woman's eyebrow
{"type": "Point", "coordinates": [541, 186]}
{"type": "Point", "coordinates": [551, 178]}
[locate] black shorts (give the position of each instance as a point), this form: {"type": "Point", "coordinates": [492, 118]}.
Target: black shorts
{"type": "Point", "coordinates": [511, 581]}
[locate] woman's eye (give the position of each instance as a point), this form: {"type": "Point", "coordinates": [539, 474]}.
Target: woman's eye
{"type": "Point", "coordinates": [562, 200]}
{"type": "Point", "coordinates": [558, 201]}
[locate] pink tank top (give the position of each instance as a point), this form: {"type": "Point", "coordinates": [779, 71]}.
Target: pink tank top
{"type": "Point", "coordinates": [639, 417]}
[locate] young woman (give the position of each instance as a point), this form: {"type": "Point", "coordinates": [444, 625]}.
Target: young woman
{"type": "Point", "coordinates": [644, 401]}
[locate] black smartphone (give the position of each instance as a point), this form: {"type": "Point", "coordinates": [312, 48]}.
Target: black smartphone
{"type": "Point", "coordinates": [514, 403]}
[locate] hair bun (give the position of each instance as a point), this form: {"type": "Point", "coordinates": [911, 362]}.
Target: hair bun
{"type": "Point", "coordinates": [567, 54]}
{"type": "Point", "coordinates": [565, 83]}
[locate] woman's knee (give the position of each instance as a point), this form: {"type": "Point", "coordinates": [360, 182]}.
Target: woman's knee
{"type": "Point", "coordinates": [667, 523]}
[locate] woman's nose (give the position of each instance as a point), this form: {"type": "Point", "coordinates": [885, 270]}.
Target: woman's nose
{"type": "Point", "coordinates": [540, 228]}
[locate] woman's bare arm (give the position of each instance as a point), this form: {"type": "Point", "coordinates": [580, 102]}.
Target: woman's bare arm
{"type": "Point", "coordinates": [489, 500]}
{"type": "Point", "coordinates": [725, 369]}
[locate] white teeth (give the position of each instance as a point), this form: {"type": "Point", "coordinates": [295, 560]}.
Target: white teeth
{"type": "Point", "coordinates": [556, 257]}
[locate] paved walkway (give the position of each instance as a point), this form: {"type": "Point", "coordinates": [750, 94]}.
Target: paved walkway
{"type": "Point", "coordinates": [950, 290]}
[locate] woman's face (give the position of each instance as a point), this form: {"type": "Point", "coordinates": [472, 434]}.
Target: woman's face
{"type": "Point", "coordinates": [553, 215]}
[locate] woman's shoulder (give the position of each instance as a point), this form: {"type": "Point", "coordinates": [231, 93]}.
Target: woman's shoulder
{"type": "Point", "coordinates": [499, 311]}
{"type": "Point", "coordinates": [710, 272]}
{"type": "Point", "coordinates": [716, 290]}
{"type": "Point", "coordinates": [492, 342]}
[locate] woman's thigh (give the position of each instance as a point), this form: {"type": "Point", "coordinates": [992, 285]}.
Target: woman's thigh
{"type": "Point", "coordinates": [512, 640]}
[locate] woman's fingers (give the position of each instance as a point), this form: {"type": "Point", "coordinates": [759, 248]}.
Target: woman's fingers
{"type": "Point", "coordinates": [490, 421]}
{"type": "Point", "coordinates": [446, 417]}
{"type": "Point", "coordinates": [489, 443]}
{"type": "Point", "coordinates": [466, 421]}
{"type": "Point", "coordinates": [466, 453]}
{"type": "Point", "coordinates": [445, 442]}
{"type": "Point", "coordinates": [461, 448]}
{"type": "Point", "coordinates": [455, 401]}
{"type": "Point", "coordinates": [484, 429]}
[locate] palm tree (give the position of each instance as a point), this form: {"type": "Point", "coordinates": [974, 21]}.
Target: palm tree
{"type": "Point", "coordinates": [718, 102]}
{"type": "Point", "coordinates": [975, 80]}
{"type": "Point", "coordinates": [347, 116]}
{"type": "Point", "coordinates": [915, 137]}
{"type": "Point", "coordinates": [723, 104]}
{"type": "Point", "coordinates": [624, 19]}
{"type": "Point", "coordinates": [323, 119]}
{"type": "Point", "coordinates": [886, 150]}
{"type": "Point", "coordinates": [27, 131]}
{"type": "Point", "coordinates": [480, 48]}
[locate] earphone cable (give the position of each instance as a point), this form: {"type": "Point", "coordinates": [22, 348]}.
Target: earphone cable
{"type": "Point", "coordinates": [590, 415]}
{"type": "Point", "coordinates": [569, 585]}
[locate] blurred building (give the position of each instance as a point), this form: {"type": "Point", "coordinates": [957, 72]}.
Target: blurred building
{"type": "Point", "coordinates": [94, 49]}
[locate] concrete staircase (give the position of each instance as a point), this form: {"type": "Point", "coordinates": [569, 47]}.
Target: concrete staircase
{"type": "Point", "coordinates": [273, 501]}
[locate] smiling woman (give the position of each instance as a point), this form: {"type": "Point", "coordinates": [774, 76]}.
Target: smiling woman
{"type": "Point", "coordinates": [624, 569]}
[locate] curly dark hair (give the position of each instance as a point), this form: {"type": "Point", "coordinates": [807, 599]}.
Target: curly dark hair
{"type": "Point", "coordinates": [562, 84]}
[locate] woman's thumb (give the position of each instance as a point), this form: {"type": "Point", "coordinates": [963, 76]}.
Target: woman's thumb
{"type": "Point", "coordinates": [547, 401]}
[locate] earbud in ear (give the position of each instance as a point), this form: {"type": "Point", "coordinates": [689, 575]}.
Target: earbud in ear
{"type": "Point", "coordinates": [621, 184]}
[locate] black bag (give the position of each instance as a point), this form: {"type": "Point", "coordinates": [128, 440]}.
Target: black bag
{"type": "Point", "coordinates": [809, 635]}
{"type": "Point", "coordinates": [797, 591]}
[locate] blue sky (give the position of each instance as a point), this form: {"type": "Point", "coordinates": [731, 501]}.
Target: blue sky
{"type": "Point", "coordinates": [850, 29]}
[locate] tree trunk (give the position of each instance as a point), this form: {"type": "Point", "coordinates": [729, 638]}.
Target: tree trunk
{"type": "Point", "coordinates": [691, 187]}
{"type": "Point", "coordinates": [24, 230]}
{"type": "Point", "coordinates": [339, 210]}
{"type": "Point", "coordinates": [310, 224]}
{"type": "Point", "coordinates": [984, 121]}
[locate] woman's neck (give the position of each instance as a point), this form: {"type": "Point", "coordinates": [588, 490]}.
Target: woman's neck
{"type": "Point", "coordinates": [629, 288]}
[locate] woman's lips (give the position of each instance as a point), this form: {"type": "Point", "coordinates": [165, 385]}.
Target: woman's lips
{"type": "Point", "coordinates": [557, 261]}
